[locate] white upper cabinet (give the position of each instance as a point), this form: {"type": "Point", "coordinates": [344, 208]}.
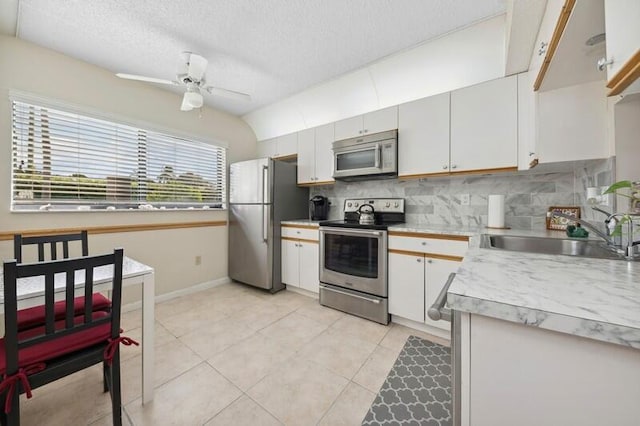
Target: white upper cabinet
{"type": "Point", "coordinates": [484, 126]}
{"type": "Point", "coordinates": [622, 23]}
{"type": "Point", "coordinates": [282, 146]}
{"type": "Point", "coordinates": [572, 123]}
{"type": "Point", "coordinates": [324, 153]}
{"type": "Point", "coordinates": [306, 156]}
{"type": "Point", "coordinates": [315, 157]}
{"type": "Point", "coordinates": [267, 148]}
{"type": "Point", "coordinates": [527, 157]}
{"type": "Point", "coordinates": [547, 26]}
{"type": "Point", "coordinates": [372, 122]}
{"type": "Point", "coordinates": [423, 136]}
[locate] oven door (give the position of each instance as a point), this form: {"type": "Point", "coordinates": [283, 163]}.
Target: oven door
{"type": "Point", "coordinates": [354, 259]}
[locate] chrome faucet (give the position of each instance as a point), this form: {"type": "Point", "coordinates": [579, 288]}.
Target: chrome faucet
{"type": "Point", "coordinates": [586, 224]}
{"type": "Point", "coordinates": [628, 251]}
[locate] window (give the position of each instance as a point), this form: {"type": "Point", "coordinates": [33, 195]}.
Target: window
{"type": "Point", "coordinates": [67, 161]}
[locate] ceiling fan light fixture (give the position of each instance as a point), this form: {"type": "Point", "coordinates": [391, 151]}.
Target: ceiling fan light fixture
{"type": "Point", "coordinates": [193, 99]}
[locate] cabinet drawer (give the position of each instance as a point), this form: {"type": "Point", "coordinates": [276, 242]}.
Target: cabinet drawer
{"type": "Point", "coordinates": [449, 245]}
{"type": "Point", "coordinates": [301, 233]}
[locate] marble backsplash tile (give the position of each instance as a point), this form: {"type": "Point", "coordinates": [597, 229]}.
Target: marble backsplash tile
{"type": "Point", "coordinates": [437, 201]}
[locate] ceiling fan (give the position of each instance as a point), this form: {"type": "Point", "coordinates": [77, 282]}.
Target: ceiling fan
{"type": "Point", "coordinates": [191, 75]}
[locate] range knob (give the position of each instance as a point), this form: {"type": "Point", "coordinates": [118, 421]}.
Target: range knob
{"type": "Point", "coordinates": [396, 204]}
{"type": "Point", "coordinates": [356, 204]}
{"type": "Point", "coordinates": [387, 204]}
{"type": "Point", "coordinates": [349, 204]}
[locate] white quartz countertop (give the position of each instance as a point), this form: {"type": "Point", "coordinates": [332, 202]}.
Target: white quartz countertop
{"type": "Point", "coordinates": [594, 298]}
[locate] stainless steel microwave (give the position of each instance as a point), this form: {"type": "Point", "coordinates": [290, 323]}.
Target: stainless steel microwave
{"type": "Point", "coordinates": [371, 156]}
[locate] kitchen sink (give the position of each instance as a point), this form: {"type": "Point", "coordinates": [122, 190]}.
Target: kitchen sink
{"type": "Point", "coordinates": [569, 247]}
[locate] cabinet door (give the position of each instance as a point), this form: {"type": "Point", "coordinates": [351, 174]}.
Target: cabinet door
{"type": "Point", "coordinates": [306, 156]}
{"type": "Point", "coordinates": [572, 123]}
{"type": "Point", "coordinates": [380, 120]}
{"type": "Point", "coordinates": [267, 148]}
{"type": "Point", "coordinates": [348, 128]}
{"type": "Point", "coordinates": [484, 126]}
{"type": "Point", "coordinates": [622, 18]}
{"type": "Point", "coordinates": [526, 122]}
{"type": "Point", "coordinates": [423, 136]}
{"type": "Point", "coordinates": [406, 286]}
{"type": "Point", "coordinates": [324, 153]}
{"type": "Point", "coordinates": [436, 274]}
{"type": "Point", "coordinates": [287, 145]}
{"type": "Point", "coordinates": [290, 263]}
{"type": "Point", "coordinates": [309, 266]}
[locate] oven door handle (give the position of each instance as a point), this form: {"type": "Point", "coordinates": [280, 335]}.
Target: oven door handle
{"type": "Point", "coordinates": [357, 296]}
{"type": "Point", "coordinates": [437, 311]}
{"type": "Point", "coordinates": [356, 232]}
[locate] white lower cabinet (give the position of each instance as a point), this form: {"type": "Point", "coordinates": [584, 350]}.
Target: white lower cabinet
{"type": "Point", "coordinates": [419, 266]}
{"type": "Point", "coordinates": [300, 258]}
{"type": "Point", "coordinates": [516, 374]}
{"type": "Point", "coordinates": [406, 286]}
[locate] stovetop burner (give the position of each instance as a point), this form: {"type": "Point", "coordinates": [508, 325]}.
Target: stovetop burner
{"type": "Point", "coordinates": [386, 211]}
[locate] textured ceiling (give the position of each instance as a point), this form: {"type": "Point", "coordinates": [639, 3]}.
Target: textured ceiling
{"type": "Point", "coordinates": [270, 49]}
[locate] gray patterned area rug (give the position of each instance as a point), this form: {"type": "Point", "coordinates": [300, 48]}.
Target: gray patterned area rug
{"type": "Point", "coordinates": [418, 388]}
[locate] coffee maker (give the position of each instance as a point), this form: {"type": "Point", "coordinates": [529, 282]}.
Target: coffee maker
{"type": "Point", "coordinates": [318, 208]}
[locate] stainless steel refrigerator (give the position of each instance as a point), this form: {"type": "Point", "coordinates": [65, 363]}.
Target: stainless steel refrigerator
{"type": "Point", "coordinates": [262, 193]}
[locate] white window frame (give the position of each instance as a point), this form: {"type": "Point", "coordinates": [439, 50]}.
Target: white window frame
{"type": "Point", "coordinates": [164, 137]}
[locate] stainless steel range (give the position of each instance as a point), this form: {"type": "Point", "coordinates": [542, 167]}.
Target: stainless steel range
{"type": "Point", "coordinates": [353, 257]}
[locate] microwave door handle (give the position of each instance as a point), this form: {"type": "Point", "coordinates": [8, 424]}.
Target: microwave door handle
{"type": "Point", "coordinates": [377, 160]}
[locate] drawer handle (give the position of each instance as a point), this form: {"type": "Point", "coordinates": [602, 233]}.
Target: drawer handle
{"type": "Point", "coordinates": [437, 311]}
{"type": "Point", "coordinates": [424, 243]}
{"type": "Point", "coordinates": [376, 301]}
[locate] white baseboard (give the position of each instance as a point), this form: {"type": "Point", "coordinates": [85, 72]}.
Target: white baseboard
{"type": "Point", "coordinates": [425, 328]}
{"type": "Point", "coordinates": [178, 293]}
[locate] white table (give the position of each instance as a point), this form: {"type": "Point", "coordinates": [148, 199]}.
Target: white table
{"type": "Point", "coordinates": [31, 293]}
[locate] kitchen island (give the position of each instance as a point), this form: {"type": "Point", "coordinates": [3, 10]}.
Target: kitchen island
{"type": "Point", "coordinates": [544, 339]}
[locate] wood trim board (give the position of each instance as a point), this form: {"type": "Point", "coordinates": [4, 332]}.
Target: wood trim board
{"type": "Point", "coordinates": [8, 235]}
{"type": "Point", "coordinates": [563, 19]}
{"type": "Point", "coordinates": [304, 240]}
{"type": "Point", "coordinates": [428, 235]}
{"type": "Point", "coordinates": [286, 225]}
{"type": "Point", "coordinates": [461, 172]}
{"type": "Point", "coordinates": [626, 75]}
{"type": "Point", "coordinates": [429, 255]}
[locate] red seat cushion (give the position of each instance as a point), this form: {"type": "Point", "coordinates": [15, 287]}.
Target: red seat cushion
{"type": "Point", "coordinates": [45, 351]}
{"type": "Point", "coordinates": [35, 317]}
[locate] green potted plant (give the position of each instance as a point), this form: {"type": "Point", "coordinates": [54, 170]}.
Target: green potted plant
{"type": "Point", "coordinates": [630, 190]}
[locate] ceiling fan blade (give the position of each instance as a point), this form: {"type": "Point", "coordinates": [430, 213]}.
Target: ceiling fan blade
{"type": "Point", "coordinates": [232, 94]}
{"type": "Point", "coordinates": [197, 67]}
{"type": "Point", "coordinates": [147, 79]}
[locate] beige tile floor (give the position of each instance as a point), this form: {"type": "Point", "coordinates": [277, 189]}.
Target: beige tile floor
{"type": "Point", "coordinates": [234, 355]}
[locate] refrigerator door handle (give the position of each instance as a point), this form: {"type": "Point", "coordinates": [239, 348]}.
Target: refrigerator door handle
{"type": "Point", "coordinates": [265, 180]}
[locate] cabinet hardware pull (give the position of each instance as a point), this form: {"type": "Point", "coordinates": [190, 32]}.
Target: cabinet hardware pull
{"type": "Point", "coordinates": [603, 62]}
{"type": "Point", "coordinates": [543, 48]}
{"type": "Point", "coordinates": [437, 311]}
{"type": "Point", "coordinates": [424, 243]}
{"type": "Point", "coordinates": [445, 167]}
{"type": "Point", "coordinates": [376, 301]}
{"type": "Point", "coordinates": [419, 260]}
{"type": "Point", "coordinates": [454, 166]}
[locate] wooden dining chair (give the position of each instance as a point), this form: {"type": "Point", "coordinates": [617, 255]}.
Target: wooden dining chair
{"type": "Point", "coordinates": [32, 358]}
{"type": "Point", "coordinates": [48, 249]}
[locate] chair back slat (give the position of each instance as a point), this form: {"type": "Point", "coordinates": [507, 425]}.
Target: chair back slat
{"type": "Point", "coordinates": [88, 294]}
{"type": "Point", "coordinates": [49, 300]}
{"type": "Point", "coordinates": [14, 271]}
{"type": "Point", "coordinates": [69, 295]}
{"type": "Point", "coordinates": [49, 244]}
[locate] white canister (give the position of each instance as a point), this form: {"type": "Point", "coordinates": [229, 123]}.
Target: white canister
{"type": "Point", "coordinates": [496, 211]}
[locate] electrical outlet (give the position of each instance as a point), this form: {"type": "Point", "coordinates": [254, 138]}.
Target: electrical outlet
{"type": "Point", "coordinates": [198, 260]}
{"type": "Point", "coordinates": [465, 199]}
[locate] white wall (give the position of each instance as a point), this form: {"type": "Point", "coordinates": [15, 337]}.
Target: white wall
{"type": "Point", "coordinates": [459, 59]}
{"type": "Point", "coordinates": [28, 68]}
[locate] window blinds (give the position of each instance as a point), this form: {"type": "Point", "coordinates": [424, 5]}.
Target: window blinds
{"type": "Point", "coordinates": [66, 160]}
